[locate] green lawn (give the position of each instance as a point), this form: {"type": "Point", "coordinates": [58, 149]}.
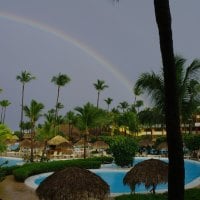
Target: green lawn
{"type": "Point", "coordinates": [191, 194]}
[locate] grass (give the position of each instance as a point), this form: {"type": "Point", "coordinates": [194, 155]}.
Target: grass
{"type": "Point", "coordinates": [190, 194]}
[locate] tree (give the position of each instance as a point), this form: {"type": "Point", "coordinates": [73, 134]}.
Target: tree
{"type": "Point", "coordinates": [24, 78]}
{"type": "Point", "coordinates": [123, 106]}
{"type": "Point", "coordinates": [99, 86]}
{"type": "Point", "coordinates": [87, 118]}
{"type": "Point", "coordinates": [71, 119]}
{"type": "Point", "coordinates": [187, 85]}
{"type": "Point", "coordinates": [108, 101]}
{"type": "Point", "coordinates": [4, 104]}
{"type": "Point", "coordinates": [172, 110]}
{"type": "Point", "coordinates": [33, 112]}
{"type": "Point", "coordinates": [60, 81]}
{"type": "Point", "coordinates": [5, 133]}
{"type": "Point", "coordinates": [128, 119]}
{"type": "Point", "coordinates": [123, 150]}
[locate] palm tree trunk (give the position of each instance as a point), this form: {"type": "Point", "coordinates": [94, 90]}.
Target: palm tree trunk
{"type": "Point", "coordinates": [1, 114]}
{"type": "Point", "coordinates": [43, 152]}
{"type": "Point", "coordinates": [22, 107]}
{"type": "Point", "coordinates": [4, 115]}
{"type": "Point", "coordinates": [174, 137]}
{"type": "Point", "coordinates": [56, 111]}
{"type": "Point", "coordinates": [98, 94]}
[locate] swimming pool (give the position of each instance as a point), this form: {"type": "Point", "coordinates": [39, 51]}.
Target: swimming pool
{"type": "Point", "coordinates": [11, 161]}
{"type": "Point", "coordinates": [114, 177]}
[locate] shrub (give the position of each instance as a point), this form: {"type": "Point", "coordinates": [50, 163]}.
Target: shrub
{"type": "Point", "coordinates": [123, 150]}
{"type": "Point", "coordinates": [30, 169]}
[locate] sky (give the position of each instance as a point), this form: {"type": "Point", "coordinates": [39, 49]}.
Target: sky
{"type": "Point", "coordinates": [87, 40]}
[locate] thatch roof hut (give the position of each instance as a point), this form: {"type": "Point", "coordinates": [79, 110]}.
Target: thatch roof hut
{"type": "Point", "coordinates": [100, 145]}
{"type": "Point", "coordinates": [150, 172]}
{"type": "Point", "coordinates": [57, 140]}
{"type": "Point", "coordinates": [73, 183]}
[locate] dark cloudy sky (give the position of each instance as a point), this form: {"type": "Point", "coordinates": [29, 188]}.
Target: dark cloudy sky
{"type": "Point", "coordinates": [88, 40]}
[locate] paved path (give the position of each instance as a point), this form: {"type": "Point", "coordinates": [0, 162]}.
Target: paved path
{"type": "Point", "coordinates": [12, 190]}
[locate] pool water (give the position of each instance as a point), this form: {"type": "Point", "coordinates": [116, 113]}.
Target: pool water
{"type": "Point", "coordinates": [11, 161]}
{"type": "Point", "coordinates": [114, 176]}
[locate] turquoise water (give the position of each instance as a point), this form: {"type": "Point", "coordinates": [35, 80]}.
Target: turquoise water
{"type": "Point", "coordinates": [115, 177]}
{"type": "Point", "coordinates": [11, 161]}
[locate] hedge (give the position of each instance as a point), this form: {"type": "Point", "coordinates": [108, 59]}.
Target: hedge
{"type": "Point", "coordinates": [30, 169]}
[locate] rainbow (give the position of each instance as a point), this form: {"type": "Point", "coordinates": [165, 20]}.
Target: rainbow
{"type": "Point", "coordinates": [68, 38]}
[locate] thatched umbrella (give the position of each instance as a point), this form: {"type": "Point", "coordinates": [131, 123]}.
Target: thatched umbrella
{"type": "Point", "coordinates": [73, 183]}
{"type": "Point", "coordinates": [80, 143]}
{"type": "Point", "coordinates": [100, 145]}
{"type": "Point", "coordinates": [57, 140]}
{"type": "Point", "coordinates": [145, 142]}
{"type": "Point", "coordinates": [162, 145]}
{"type": "Point", "coordinates": [65, 145]}
{"type": "Point", "coordinates": [150, 172]}
{"type": "Point", "coordinates": [25, 143]}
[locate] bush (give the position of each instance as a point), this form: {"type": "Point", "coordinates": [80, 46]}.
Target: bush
{"type": "Point", "coordinates": [123, 150]}
{"type": "Point", "coordinates": [192, 142]}
{"type": "Point", "coordinates": [30, 169]}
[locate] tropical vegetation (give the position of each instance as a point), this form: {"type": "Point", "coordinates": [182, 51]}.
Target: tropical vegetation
{"type": "Point", "coordinates": [24, 77]}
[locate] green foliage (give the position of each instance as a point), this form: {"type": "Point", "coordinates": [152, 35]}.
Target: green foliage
{"type": "Point", "coordinates": [128, 119]}
{"type": "Point", "coordinates": [123, 150]}
{"type": "Point", "coordinates": [192, 142]}
{"type": "Point", "coordinates": [142, 197]}
{"type": "Point", "coordinates": [160, 140]}
{"type": "Point", "coordinates": [5, 133]}
{"type": "Point", "coordinates": [193, 194]}
{"type": "Point", "coordinates": [30, 169]}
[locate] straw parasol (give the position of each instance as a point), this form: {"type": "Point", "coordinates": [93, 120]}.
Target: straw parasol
{"type": "Point", "coordinates": [57, 140]}
{"type": "Point", "coordinates": [100, 145]}
{"type": "Point", "coordinates": [65, 145]}
{"type": "Point", "coordinates": [73, 183]}
{"type": "Point", "coordinates": [25, 143]}
{"type": "Point", "coordinates": [80, 143]}
{"type": "Point", "coordinates": [162, 145]}
{"type": "Point", "coordinates": [146, 142]}
{"type": "Point", "coordinates": [150, 172]}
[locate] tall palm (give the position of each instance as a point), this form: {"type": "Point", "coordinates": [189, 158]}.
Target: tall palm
{"type": "Point", "coordinates": [4, 104]}
{"type": "Point", "coordinates": [99, 86]}
{"type": "Point", "coordinates": [187, 84]}
{"type": "Point", "coordinates": [108, 101]}
{"type": "Point", "coordinates": [123, 106]}
{"type": "Point", "coordinates": [71, 119]}
{"type": "Point", "coordinates": [33, 112]}
{"type": "Point", "coordinates": [24, 78]}
{"type": "Point", "coordinates": [86, 118]}
{"type": "Point", "coordinates": [60, 81]}
{"type": "Point", "coordinates": [172, 110]}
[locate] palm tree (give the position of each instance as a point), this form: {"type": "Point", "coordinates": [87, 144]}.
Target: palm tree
{"type": "Point", "coordinates": [60, 81]}
{"type": "Point", "coordinates": [33, 112]}
{"type": "Point", "coordinates": [187, 85]}
{"type": "Point", "coordinates": [24, 78]}
{"type": "Point", "coordinates": [99, 86]}
{"type": "Point", "coordinates": [71, 119]}
{"type": "Point", "coordinates": [4, 104]}
{"type": "Point", "coordinates": [172, 110]}
{"type": "Point", "coordinates": [123, 106]}
{"type": "Point", "coordinates": [108, 101]}
{"type": "Point", "coordinates": [86, 118]}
